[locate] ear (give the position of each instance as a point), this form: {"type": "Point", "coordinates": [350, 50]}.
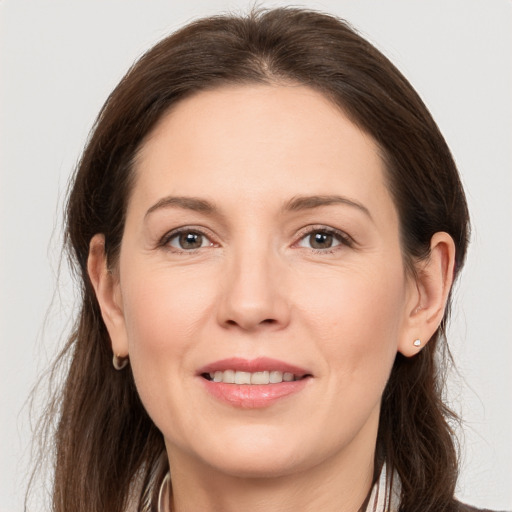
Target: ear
{"type": "Point", "coordinates": [108, 292]}
{"type": "Point", "coordinates": [426, 308]}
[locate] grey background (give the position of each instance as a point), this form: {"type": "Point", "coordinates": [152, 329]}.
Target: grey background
{"type": "Point", "coordinates": [59, 61]}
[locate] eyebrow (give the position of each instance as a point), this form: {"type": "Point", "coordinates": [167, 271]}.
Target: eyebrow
{"type": "Point", "coordinates": [187, 203]}
{"type": "Point", "coordinates": [297, 203]}
{"type": "Point", "coordinates": [309, 202]}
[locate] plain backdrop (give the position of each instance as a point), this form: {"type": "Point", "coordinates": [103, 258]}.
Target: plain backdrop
{"type": "Point", "coordinates": [60, 60]}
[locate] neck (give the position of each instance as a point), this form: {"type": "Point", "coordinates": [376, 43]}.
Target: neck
{"type": "Point", "coordinates": [329, 486]}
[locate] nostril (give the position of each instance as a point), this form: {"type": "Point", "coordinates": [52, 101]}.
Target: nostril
{"type": "Point", "coordinates": [267, 321]}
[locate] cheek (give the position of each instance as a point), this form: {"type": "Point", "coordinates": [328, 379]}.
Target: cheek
{"type": "Point", "coordinates": [162, 313]}
{"type": "Point", "coordinates": [165, 304]}
{"type": "Point", "coordinates": [356, 319]}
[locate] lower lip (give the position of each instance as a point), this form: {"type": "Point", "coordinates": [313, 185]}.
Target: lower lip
{"type": "Point", "coordinates": [247, 396]}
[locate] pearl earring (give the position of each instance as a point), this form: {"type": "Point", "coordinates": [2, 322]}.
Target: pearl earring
{"type": "Point", "coordinates": [417, 343]}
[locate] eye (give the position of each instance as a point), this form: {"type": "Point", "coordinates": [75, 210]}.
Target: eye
{"type": "Point", "coordinates": [323, 239]}
{"type": "Point", "coordinates": [187, 240]}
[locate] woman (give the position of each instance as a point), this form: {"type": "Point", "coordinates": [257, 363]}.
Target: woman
{"type": "Point", "coordinates": [268, 225]}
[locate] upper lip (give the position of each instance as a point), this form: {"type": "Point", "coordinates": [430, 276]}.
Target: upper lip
{"type": "Point", "coordinates": [259, 364]}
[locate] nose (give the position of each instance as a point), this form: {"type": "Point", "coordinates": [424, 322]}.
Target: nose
{"type": "Point", "coordinates": [254, 294]}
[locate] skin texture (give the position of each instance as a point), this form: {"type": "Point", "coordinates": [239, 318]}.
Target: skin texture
{"type": "Point", "coordinates": [256, 287]}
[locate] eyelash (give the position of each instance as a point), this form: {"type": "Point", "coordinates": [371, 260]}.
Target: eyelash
{"type": "Point", "coordinates": [340, 236]}
{"type": "Point", "coordinates": [166, 239]}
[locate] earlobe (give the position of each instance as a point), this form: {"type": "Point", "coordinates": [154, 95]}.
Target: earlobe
{"type": "Point", "coordinates": [433, 284]}
{"type": "Point", "coordinates": [106, 287]}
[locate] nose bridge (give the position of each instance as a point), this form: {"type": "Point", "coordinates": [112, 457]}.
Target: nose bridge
{"type": "Point", "coordinates": [253, 296]}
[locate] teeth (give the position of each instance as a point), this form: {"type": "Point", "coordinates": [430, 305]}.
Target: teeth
{"type": "Point", "coordinates": [276, 377]}
{"type": "Point", "coordinates": [229, 376]}
{"type": "Point", "coordinates": [258, 378]}
{"type": "Point", "coordinates": [242, 378]}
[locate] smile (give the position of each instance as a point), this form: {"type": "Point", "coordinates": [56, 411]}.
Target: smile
{"type": "Point", "coordinates": [255, 378]}
{"type": "Point", "coordinates": [253, 384]}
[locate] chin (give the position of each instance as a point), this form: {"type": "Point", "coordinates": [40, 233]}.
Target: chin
{"type": "Point", "coordinates": [262, 455]}
{"type": "Point", "coordinates": [266, 466]}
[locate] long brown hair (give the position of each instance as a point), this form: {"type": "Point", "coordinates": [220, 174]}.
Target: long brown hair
{"type": "Point", "coordinates": [108, 451]}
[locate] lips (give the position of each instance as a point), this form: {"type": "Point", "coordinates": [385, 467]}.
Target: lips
{"type": "Point", "coordinates": [254, 365]}
{"type": "Point", "coordinates": [252, 383]}
{"type": "Point", "coordinates": [255, 378]}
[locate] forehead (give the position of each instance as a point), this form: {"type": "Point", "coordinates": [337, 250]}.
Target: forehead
{"type": "Point", "coordinates": [259, 142]}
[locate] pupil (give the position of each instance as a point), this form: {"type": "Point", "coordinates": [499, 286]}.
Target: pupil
{"type": "Point", "coordinates": [321, 240]}
{"type": "Point", "coordinates": [190, 240]}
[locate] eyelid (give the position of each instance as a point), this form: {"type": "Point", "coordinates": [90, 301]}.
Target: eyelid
{"type": "Point", "coordinates": [342, 236]}
{"type": "Point", "coordinates": [165, 239]}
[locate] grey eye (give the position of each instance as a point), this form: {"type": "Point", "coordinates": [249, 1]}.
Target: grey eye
{"type": "Point", "coordinates": [189, 240]}
{"type": "Point", "coordinates": [320, 240]}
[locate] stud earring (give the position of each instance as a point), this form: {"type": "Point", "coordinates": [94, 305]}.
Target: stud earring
{"type": "Point", "coordinates": [119, 362]}
{"type": "Point", "coordinates": [417, 343]}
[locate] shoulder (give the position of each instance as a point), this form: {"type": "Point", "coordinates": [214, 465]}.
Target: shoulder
{"type": "Point", "coordinates": [462, 507]}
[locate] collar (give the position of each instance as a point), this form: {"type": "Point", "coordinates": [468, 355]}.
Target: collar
{"type": "Point", "coordinates": [384, 497]}
{"type": "Point", "coordinates": [385, 494]}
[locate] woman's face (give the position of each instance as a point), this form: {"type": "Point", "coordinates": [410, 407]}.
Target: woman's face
{"type": "Point", "coordinates": [261, 245]}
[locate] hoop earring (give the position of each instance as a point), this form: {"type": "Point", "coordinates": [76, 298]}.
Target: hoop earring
{"type": "Point", "coordinates": [162, 507]}
{"type": "Point", "coordinates": [119, 362]}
